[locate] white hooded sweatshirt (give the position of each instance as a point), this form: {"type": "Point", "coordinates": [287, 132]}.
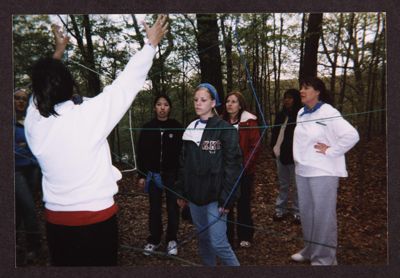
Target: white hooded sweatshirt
{"type": "Point", "coordinates": [72, 148]}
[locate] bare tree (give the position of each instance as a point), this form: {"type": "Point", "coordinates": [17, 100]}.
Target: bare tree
{"type": "Point", "coordinates": [208, 50]}
{"type": "Point", "coordinates": [309, 66]}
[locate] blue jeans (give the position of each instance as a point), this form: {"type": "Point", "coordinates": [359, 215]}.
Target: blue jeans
{"type": "Point", "coordinates": [25, 204]}
{"type": "Point", "coordinates": [213, 241]}
{"type": "Point", "coordinates": [286, 177]}
{"type": "Point", "coordinates": [25, 178]}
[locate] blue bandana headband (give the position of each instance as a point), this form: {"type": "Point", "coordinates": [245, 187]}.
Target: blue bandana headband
{"type": "Point", "coordinates": [212, 90]}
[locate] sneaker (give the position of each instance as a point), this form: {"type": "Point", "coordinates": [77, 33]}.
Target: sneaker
{"type": "Point", "coordinates": [245, 244]}
{"type": "Point", "coordinates": [172, 248]}
{"type": "Point", "coordinates": [278, 216]}
{"type": "Point", "coordinates": [149, 248]}
{"type": "Point", "coordinates": [298, 258]}
{"type": "Point", "coordinates": [296, 219]}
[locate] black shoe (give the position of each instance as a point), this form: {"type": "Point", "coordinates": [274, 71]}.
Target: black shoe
{"type": "Point", "coordinates": [278, 216]}
{"type": "Point", "coordinates": [185, 214]}
{"type": "Point", "coordinates": [296, 219]}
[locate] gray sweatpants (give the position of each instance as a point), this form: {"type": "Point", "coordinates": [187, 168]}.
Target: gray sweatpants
{"type": "Point", "coordinates": [317, 204]}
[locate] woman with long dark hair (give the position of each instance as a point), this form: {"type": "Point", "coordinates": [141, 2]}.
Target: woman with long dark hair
{"type": "Point", "coordinates": [282, 150]}
{"type": "Point", "coordinates": [159, 146]}
{"type": "Point", "coordinates": [70, 142]}
{"type": "Point", "coordinates": [246, 123]}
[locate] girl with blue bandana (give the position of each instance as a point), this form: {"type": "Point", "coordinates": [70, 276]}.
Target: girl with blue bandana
{"type": "Point", "coordinates": [210, 165]}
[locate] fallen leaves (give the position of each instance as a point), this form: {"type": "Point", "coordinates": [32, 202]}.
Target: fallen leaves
{"type": "Point", "coordinates": [361, 210]}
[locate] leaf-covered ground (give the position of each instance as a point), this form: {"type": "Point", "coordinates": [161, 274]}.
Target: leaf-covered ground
{"type": "Point", "coordinates": [362, 219]}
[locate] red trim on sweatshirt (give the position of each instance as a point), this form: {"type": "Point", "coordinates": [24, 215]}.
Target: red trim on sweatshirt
{"type": "Point", "coordinates": [79, 218]}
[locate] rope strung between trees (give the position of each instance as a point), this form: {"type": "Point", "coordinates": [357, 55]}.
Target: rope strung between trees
{"type": "Point", "coordinates": [264, 128]}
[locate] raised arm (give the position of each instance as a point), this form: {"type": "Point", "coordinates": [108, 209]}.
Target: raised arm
{"type": "Point", "coordinates": [61, 41]}
{"type": "Point", "coordinates": [156, 32]}
{"type": "Point", "coordinates": [106, 109]}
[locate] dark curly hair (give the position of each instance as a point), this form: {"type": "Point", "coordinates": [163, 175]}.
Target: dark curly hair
{"type": "Point", "coordinates": [318, 85]}
{"type": "Point", "coordinates": [52, 83]}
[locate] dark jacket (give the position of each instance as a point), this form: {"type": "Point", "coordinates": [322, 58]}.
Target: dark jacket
{"type": "Point", "coordinates": [23, 155]}
{"type": "Point", "coordinates": [209, 172]}
{"type": "Point", "coordinates": [157, 149]}
{"type": "Point", "coordinates": [286, 153]}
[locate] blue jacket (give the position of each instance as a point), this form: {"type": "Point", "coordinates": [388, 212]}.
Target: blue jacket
{"type": "Point", "coordinates": [23, 155]}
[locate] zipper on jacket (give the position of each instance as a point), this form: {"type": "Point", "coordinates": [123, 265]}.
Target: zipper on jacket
{"type": "Point", "coordinates": [161, 150]}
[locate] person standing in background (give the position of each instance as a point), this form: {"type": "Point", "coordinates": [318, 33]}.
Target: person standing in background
{"type": "Point", "coordinates": [27, 175]}
{"type": "Point", "coordinates": [321, 139]}
{"type": "Point", "coordinates": [282, 150]}
{"type": "Point", "coordinates": [158, 162]}
{"type": "Point", "coordinates": [235, 113]}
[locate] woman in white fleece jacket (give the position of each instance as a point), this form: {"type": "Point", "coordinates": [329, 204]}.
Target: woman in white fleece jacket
{"type": "Point", "coordinates": [321, 138]}
{"type": "Point", "coordinates": [70, 144]}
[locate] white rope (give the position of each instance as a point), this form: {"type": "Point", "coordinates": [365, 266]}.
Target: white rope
{"type": "Point", "coordinates": [129, 113]}
{"type": "Point", "coordinates": [133, 145]}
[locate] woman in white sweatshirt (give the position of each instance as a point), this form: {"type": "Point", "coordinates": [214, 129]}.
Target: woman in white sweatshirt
{"type": "Point", "coordinates": [321, 138]}
{"type": "Point", "coordinates": [69, 141]}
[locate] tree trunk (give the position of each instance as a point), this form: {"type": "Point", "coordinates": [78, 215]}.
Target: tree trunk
{"type": "Point", "coordinates": [309, 67]}
{"type": "Point", "coordinates": [275, 67]}
{"type": "Point", "coordinates": [383, 78]}
{"type": "Point", "coordinates": [209, 54]}
{"type": "Point", "coordinates": [333, 61]}
{"type": "Point", "coordinates": [302, 38]}
{"type": "Point", "coordinates": [348, 50]}
{"type": "Point", "coordinates": [156, 73]}
{"type": "Point", "coordinates": [372, 79]}
{"type": "Point", "coordinates": [93, 80]}
{"type": "Point", "coordinates": [227, 38]}
{"type": "Point", "coordinates": [278, 80]}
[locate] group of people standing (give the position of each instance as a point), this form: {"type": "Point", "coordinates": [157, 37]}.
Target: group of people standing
{"type": "Point", "coordinates": [209, 166]}
{"type": "Point", "coordinates": [216, 170]}
{"type": "Point", "coordinates": [210, 159]}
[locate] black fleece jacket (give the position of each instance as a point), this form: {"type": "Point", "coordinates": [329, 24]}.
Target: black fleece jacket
{"type": "Point", "coordinates": [157, 149]}
{"type": "Point", "coordinates": [208, 172]}
{"type": "Point", "coordinates": [286, 156]}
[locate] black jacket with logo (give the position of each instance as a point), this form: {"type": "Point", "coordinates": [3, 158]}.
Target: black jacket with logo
{"type": "Point", "coordinates": [157, 149]}
{"type": "Point", "coordinates": [209, 172]}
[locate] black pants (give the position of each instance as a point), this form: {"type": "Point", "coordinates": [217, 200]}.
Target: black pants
{"type": "Point", "coordinates": [243, 213]}
{"type": "Point", "coordinates": [89, 245]}
{"type": "Point", "coordinates": [155, 219]}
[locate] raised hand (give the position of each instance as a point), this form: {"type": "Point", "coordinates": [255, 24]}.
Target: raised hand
{"type": "Point", "coordinates": [156, 32]}
{"type": "Point", "coordinates": [61, 41]}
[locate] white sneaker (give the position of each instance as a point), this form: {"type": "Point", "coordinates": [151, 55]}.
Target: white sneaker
{"type": "Point", "coordinates": [245, 244]}
{"type": "Point", "coordinates": [149, 247]}
{"type": "Point", "coordinates": [172, 248]}
{"type": "Point", "coordinates": [298, 258]}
